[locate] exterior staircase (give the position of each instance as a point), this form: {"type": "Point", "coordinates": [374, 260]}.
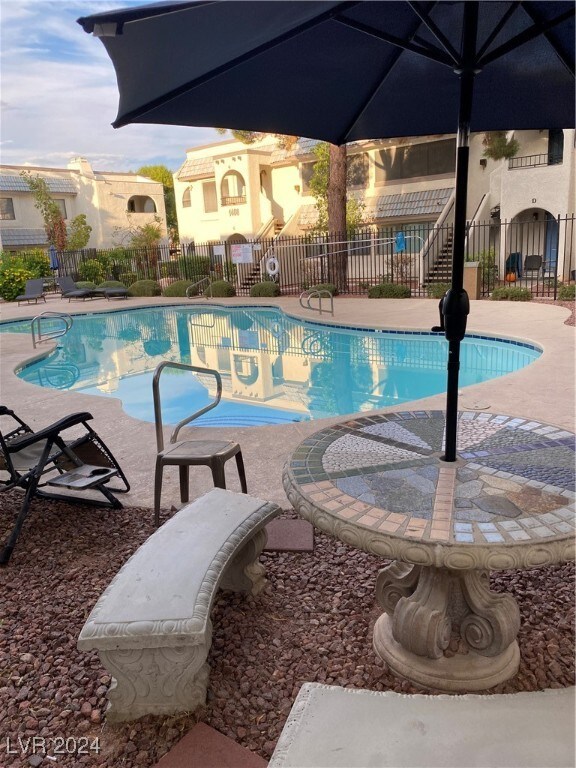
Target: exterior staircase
{"type": "Point", "coordinates": [253, 276]}
{"type": "Point", "coordinates": [441, 271]}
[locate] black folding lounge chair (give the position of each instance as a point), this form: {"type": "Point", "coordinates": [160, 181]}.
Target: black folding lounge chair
{"type": "Point", "coordinates": [78, 462]}
{"type": "Point", "coordinates": [70, 291]}
{"type": "Point", "coordinates": [33, 291]}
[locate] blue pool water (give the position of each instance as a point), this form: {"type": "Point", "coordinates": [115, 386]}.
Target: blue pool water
{"type": "Point", "coordinates": [275, 369]}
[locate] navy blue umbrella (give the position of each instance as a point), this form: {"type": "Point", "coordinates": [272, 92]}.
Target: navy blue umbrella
{"type": "Point", "coordinates": [344, 71]}
{"type": "Point", "coordinates": [53, 258]}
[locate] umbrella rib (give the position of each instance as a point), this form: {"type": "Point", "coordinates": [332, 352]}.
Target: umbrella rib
{"type": "Point", "coordinates": [191, 84]}
{"type": "Point", "coordinates": [444, 42]}
{"type": "Point", "coordinates": [525, 37]}
{"type": "Point", "coordinates": [497, 29]}
{"type": "Point", "coordinates": [561, 55]}
{"type": "Point", "coordinates": [427, 51]}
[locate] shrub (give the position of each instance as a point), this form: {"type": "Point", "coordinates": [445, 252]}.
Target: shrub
{"type": "Point", "coordinates": [511, 294]}
{"type": "Point", "coordinates": [179, 288]}
{"type": "Point", "coordinates": [267, 288]}
{"type": "Point", "coordinates": [127, 277]}
{"type": "Point", "coordinates": [389, 291]}
{"type": "Point", "coordinates": [567, 292]}
{"type": "Point", "coordinates": [92, 270]}
{"type": "Point", "coordinates": [13, 276]}
{"type": "Point", "coordinates": [145, 288]}
{"type": "Point", "coordinates": [111, 284]}
{"type": "Point", "coordinates": [85, 284]}
{"type": "Point", "coordinates": [437, 290]}
{"type": "Point", "coordinates": [36, 261]}
{"type": "Point", "coordinates": [325, 287]}
{"type": "Point", "coordinates": [220, 289]}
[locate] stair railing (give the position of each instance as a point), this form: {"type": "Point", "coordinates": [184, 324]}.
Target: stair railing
{"type": "Point", "coordinates": [307, 296]}
{"type": "Point", "coordinates": [436, 239]}
{"type": "Point", "coordinates": [39, 336]}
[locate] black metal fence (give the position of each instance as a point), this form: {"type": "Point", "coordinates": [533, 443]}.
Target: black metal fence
{"type": "Point", "coordinates": [536, 254]}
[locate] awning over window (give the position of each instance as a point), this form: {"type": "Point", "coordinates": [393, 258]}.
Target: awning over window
{"type": "Point", "coordinates": [198, 168]}
{"type": "Point", "coordinates": [427, 203]}
{"type": "Point", "coordinates": [14, 183]}
{"type": "Point", "coordinates": [12, 236]}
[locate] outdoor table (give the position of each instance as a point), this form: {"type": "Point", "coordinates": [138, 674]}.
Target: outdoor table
{"type": "Point", "coordinates": [379, 484]}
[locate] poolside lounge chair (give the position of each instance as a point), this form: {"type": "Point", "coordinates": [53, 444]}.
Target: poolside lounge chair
{"type": "Point", "coordinates": [533, 263]}
{"type": "Point", "coordinates": [67, 455]}
{"type": "Point", "coordinates": [70, 291]}
{"type": "Point", "coordinates": [33, 291]}
{"type": "Point", "coordinates": [187, 453]}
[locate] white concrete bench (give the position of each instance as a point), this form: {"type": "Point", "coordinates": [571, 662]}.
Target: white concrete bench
{"type": "Point", "coordinates": [152, 627]}
{"type": "Point", "coordinates": [332, 727]}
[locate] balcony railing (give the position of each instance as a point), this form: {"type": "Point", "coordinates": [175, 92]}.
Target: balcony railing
{"type": "Point", "coordinates": [239, 200]}
{"type": "Point", "coordinates": [534, 161]}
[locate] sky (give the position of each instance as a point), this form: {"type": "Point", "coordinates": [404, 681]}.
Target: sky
{"type": "Point", "coordinates": [58, 94]}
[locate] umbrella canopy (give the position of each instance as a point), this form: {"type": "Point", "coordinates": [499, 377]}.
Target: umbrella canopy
{"type": "Point", "coordinates": [345, 71]}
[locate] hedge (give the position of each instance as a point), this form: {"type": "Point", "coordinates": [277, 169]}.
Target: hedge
{"type": "Point", "coordinates": [220, 289]}
{"type": "Point", "coordinates": [330, 287]}
{"type": "Point", "coordinates": [513, 293]}
{"type": "Point", "coordinates": [268, 288]}
{"type": "Point", "coordinates": [179, 288]}
{"type": "Point", "coordinates": [389, 291]}
{"type": "Point", "coordinates": [567, 292]}
{"type": "Point", "coordinates": [145, 288]}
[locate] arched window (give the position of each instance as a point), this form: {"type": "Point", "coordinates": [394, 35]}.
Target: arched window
{"type": "Point", "coordinates": [141, 204]}
{"type": "Point", "coordinates": [186, 202]}
{"type": "Point", "coordinates": [233, 189]}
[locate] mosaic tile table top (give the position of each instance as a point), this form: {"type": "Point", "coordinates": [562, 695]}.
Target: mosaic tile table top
{"type": "Point", "coordinates": [379, 483]}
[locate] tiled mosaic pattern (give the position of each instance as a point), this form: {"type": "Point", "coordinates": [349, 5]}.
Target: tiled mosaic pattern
{"type": "Point", "coordinates": [514, 480]}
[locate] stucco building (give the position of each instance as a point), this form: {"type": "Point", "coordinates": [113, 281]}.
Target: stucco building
{"type": "Point", "coordinates": [112, 203]}
{"type": "Point", "coordinates": [229, 192]}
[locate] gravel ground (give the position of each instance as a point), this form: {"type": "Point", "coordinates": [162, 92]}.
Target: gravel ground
{"type": "Point", "coordinates": [313, 623]}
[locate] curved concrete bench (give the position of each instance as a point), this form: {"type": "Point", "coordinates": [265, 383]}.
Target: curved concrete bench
{"type": "Point", "coordinates": [352, 728]}
{"type": "Point", "coordinates": [152, 627]}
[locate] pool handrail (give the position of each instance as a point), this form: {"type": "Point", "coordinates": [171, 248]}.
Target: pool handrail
{"type": "Point", "coordinates": [36, 327]}
{"type": "Point", "coordinates": [197, 285]}
{"type": "Point", "coordinates": [310, 294]}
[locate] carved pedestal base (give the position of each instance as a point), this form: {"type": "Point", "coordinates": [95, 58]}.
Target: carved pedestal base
{"type": "Point", "coordinates": [157, 681]}
{"type": "Point", "coordinates": [460, 673]}
{"type": "Point", "coordinates": [445, 629]}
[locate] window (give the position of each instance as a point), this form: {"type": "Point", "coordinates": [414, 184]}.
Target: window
{"type": "Point", "coordinates": [357, 170]}
{"type": "Point", "coordinates": [6, 208]}
{"type": "Point", "coordinates": [210, 199]}
{"type": "Point", "coordinates": [141, 204]}
{"type": "Point", "coordinates": [433, 158]}
{"type": "Point", "coordinates": [61, 203]}
{"type": "Point", "coordinates": [233, 189]}
{"type": "Point", "coordinates": [306, 171]}
{"type": "Point", "coordinates": [186, 202]}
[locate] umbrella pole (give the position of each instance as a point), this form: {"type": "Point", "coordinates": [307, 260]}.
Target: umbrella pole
{"type": "Point", "coordinates": [456, 305]}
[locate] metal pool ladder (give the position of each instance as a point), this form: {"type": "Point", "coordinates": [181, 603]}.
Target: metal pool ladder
{"type": "Point", "coordinates": [39, 336]}
{"type": "Point", "coordinates": [307, 296]}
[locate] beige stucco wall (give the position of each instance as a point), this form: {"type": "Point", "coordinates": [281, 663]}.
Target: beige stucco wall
{"type": "Point", "coordinates": [101, 196]}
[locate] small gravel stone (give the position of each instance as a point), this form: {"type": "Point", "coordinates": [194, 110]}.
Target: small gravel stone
{"type": "Point", "coordinates": [313, 622]}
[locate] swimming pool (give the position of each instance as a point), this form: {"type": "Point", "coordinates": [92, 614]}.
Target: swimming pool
{"type": "Point", "coordinates": [275, 368]}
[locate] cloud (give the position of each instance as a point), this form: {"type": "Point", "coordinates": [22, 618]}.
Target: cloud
{"type": "Point", "coordinates": [60, 96]}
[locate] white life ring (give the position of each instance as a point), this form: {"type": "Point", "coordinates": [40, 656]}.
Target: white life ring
{"type": "Point", "coordinates": [272, 266]}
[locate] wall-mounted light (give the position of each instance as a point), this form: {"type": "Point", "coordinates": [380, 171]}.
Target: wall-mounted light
{"type": "Point", "coordinates": [297, 188]}
{"type": "Point", "coordinates": [483, 162]}
{"type": "Point", "coordinates": [535, 215]}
